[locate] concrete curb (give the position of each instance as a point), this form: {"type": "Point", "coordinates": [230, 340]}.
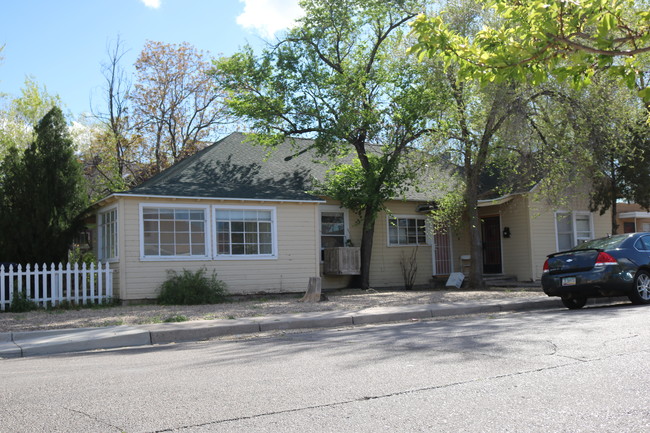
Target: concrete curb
{"type": "Point", "coordinates": [32, 343]}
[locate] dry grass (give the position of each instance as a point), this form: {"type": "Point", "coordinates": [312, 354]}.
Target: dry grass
{"type": "Point", "coordinates": [347, 300]}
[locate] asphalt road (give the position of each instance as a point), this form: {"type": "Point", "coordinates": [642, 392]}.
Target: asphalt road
{"type": "Point", "coordinates": [550, 371]}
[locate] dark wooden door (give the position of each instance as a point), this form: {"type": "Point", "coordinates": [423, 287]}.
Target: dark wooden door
{"type": "Point", "coordinates": [491, 230]}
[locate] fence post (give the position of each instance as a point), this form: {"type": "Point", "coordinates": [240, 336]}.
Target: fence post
{"type": "Point", "coordinates": [3, 298]}
{"type": "Point", "coordinates": [76, 283]}
{"type": "Point", "coordinates": [84, 288]}
{"type": "Point", "coordinates": [109, 281]}
{"type": "Point", "coordinates": [60, 283]}
{"type": "Point", "coordinates": [28, 280]}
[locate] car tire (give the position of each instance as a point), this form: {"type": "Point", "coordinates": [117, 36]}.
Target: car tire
{"type": "Point", "coordinates": [641, 292]}
{"type": "Point", "coordinates": [574, 302]}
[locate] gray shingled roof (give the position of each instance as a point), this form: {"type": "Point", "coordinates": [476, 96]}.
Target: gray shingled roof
{"type": "Point", "coordinates": [235, 168]}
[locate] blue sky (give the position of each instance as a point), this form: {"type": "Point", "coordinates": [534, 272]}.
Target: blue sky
{"type": "Point", "coordinates": [62, 43]}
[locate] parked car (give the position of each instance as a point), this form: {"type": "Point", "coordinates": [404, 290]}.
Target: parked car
{"type": "Point", "coordinates": [616, 265]}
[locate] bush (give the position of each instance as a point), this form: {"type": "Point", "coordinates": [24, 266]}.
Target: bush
{"type": "Point", "coordinates": [20, 303]}
{"type": "Point", "coordinates": [192, 288]}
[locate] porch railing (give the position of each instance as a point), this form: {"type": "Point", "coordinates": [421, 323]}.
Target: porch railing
{"type": "Point", "coordinates": [51, 285]}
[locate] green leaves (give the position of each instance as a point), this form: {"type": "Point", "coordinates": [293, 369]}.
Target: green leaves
{"type": "Point", "coordinates": [535, 38]}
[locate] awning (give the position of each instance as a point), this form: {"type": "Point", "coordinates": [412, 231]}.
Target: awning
{"type": "Point", "coordinates": [496, 201]}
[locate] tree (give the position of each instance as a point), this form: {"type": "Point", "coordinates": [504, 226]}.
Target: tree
{"type": "Point", "coordinates": [175, 104]}
{"type": "Point", "coordinates": [110, 155]}
{"type": "Point", "coordinates": [342, 77]}
{"type": "Point", "coordinates": [486, 131]}
{"type": "Point", "coordinates": [535, 38]}
{"type": "Point", "coordinates": [23, 113]}
{"type": "Point", "coordinates": [42, 195]}
{"type": "Point", "coordinates": [607, 127]}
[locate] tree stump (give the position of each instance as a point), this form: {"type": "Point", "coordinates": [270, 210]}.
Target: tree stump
{"type": "Point", "coordinates": [313, 291]}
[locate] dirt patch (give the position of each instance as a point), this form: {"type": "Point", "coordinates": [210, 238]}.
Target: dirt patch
{"type": "Point", "coordinates": [346, 300]}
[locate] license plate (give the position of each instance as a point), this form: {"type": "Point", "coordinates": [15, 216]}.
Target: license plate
{"type": "Point", "coordinates": [569, 281]}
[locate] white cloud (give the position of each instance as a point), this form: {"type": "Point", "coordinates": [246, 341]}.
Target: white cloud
{"type": "Point", "coordinates": [269, 16]}
{"type": "Point", "coordinates": [153, 4]}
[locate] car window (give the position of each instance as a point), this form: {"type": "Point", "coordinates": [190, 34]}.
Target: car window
{"type": "Point", "coordinates": [643, 243]}
{"type": "Point", "coordinates": [603, 243]}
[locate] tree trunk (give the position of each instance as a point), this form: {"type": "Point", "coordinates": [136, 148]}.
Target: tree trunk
{"type": "Point", "coordinates": [476, 242]}
{"type": "Point", "coordinates": [366, 247]}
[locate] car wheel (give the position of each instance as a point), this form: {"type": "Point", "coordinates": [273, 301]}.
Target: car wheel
{"type": "Point", "coordinates": [574, 302]}
{"type": "Point", "coordinates": [641, 293]}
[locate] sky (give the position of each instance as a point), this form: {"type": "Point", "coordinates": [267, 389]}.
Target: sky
{"type": "Point", "coordinates": [62, 43]}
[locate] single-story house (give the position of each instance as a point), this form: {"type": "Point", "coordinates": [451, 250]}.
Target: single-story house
{"type": "Point", "coordinates": [247, 214]}
{"type": "Point", "coordinates": [631, 218]}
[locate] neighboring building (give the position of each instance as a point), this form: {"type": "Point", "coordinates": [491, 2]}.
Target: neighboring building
{"type": "Point", "coordinates": [246, 213]}
{"type": "Point", "coordinates": [631, 218]}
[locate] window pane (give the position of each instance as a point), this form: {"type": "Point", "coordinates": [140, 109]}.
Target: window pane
{"type": "Point", "coordinates": [168, 231]}
{"type": "Point", "coordinates": [266, 249]}
{"type": "Point", "coordinates": [564, 223]}
{"type": "Point", "coordinates": [149, 213]}
{"type": "Point", "coordinates": [166, 214]}
{"type": "Point", "coordinates": [182, 238]}
{"type": "Point", "coordinates": [239, 231]}
{"type": "Point", "coordinates": [182, 250]}
{"type": "Point", "coordinates": [564, 241]}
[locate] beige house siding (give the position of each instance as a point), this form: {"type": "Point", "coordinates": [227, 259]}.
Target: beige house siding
{"type": "Point", "coordinates": [515, 250]}
{"type": "Point", "coordinates": [543, 230]}
{"type": "Point", "coordinates": [385, 268]}
{"type": "Point", "coordinates": [290, 271]}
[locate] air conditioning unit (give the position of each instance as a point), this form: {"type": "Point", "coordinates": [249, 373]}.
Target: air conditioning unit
{"type": "Point", "coordinates": [342, 261]}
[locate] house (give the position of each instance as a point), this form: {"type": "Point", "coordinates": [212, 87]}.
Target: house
{"type": "Point", "coordinates": [631, 217]}
{"type": "Point", "coordinates": [246, 213]}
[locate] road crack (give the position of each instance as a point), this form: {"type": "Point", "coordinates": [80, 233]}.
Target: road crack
{"type": "Point", "coordinates": [94, 418]}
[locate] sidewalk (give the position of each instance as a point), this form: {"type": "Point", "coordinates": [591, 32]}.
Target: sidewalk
{"type": "Point", "coordinates": [31, 343]}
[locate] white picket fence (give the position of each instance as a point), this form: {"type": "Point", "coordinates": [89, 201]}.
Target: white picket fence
{"type": "Point", "coordinates": [51, 286]}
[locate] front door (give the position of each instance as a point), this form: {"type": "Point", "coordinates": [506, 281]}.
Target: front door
{"type": "Point", "coordinates": [491, 231]}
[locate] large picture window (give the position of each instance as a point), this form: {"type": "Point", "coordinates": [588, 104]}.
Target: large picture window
{"type": "Point", "coordinates": [107, 226]}
{"type": "Point", "coordinates": [174, 232]}
{"type": "Point", "coordinates": [572, 228]}
{"type": "Point", "coordinates": [245, 232]}
{"type": "Point", "coordinates": [407, 231]}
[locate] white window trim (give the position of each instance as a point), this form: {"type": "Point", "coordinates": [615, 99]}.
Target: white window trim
{"type": "Point", "coordinates": [427, 234]}
{"type": "Point", "coordinates": [206, 222]}
{"type": "Point", "coordinates": [346, 224]}
{"type": "Point", "coordinates": [274, 234]}
{"type": "Point", "coordinates": [574, 233]}
{"type": "Point", "coordinates": [100, 245]}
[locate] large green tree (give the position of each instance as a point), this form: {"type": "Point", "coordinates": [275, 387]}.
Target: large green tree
{"type": "Point", "coordinates": [342, 77]}
{"type": "Point", "coordinates": [41, 195]}
{"type": "Point", "coordinates": [535, 38]}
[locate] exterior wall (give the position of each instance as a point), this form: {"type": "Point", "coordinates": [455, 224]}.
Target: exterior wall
{"type": "Point", "coordinates": [297, 246]}
{"type": "Point", "coordinates": [385, 268]}
{"type": "Point", "coordinates": [516, 257]}
{"type": "Point", "coordinates": [641, 224]}
{"type": "Point", "coordinates": [543, 231]}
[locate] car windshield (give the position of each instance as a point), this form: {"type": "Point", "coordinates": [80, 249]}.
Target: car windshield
{"type": "Point", "coordinates": [603, 243]}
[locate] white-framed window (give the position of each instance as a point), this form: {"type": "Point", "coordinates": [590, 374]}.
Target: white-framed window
{"type": "Point", "coordinates": [245, 232]}
{"type": "Point", "coordinates": [174, 231]}
{"type": "Point", "coordinates": [333, 227]}
{"type": "Point", "coordinates": [107, 234]}
{"type": "Point", "coordinates": [407, 230]}
{"type": "Point", "coordinates": [572, 228]}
